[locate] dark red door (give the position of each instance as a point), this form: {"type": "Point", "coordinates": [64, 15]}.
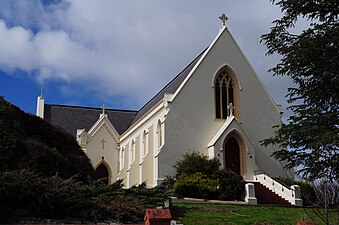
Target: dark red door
{"type": "Point", "coordinates": [232, 155]}
{"type": "Point", "coordinates": [102, 173]}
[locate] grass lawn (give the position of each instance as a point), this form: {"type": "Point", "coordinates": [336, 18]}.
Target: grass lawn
{"type": "Point", "coordinates": [208, 214]}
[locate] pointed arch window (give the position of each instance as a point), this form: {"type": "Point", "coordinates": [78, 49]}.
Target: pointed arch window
{"type": "Point", "coordinates": [159, 134]}
{"type": "Point", "coordinates": [145, 143]}
{"type": "Point", "coordinates": [132, 152]}
{"type": "Point", "coordinates": [122, 158]}
{"type": "Point", "coordinates": [224, 94]}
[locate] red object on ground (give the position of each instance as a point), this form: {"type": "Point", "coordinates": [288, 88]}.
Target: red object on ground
{"type": "Point", "coordinates": [157, 217]}
{"type": "Point", "coordinates": [306, 223]}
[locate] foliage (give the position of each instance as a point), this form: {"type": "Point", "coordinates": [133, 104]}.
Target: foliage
{"type": "Point", "coordinates": [123, 205]}
{"type": "Point", "coordinates": [310, 59]}
{"type": "Point", "coordinates": [149, 197]}
{"type": "Point", "coordinates": [28, 142]}
{"type": "Point", "coordinates": [193, 162]}
{"type": "Point", "coordinates": [195, 185]}
{"type": "Point", "coordinates": [167, 185]}
{"type": "Point", "coordinates": [44, 196]}
{"type": "Point", "coordinates": [200, 177]}
{"type": "Point", "coordinates": [25, 193]}
{"type": "Point", "coordinates": [44, 173]}
{"type": "Point", "coordinates": [231, 186]}
{"type": "Point", "coordinates": [327, 191]}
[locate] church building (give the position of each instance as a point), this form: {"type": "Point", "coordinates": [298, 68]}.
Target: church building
{"type": "Point", "coordinates": [217, 106]}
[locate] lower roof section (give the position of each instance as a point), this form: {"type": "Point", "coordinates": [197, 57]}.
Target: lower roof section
{"type": "Point", "coordinates": [72, 118]}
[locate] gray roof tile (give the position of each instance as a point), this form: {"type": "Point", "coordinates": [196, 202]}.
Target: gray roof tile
{"type": "Point", "coordinates": [72, 118]}
{"type": "Point", "coordinates": [170, 88]}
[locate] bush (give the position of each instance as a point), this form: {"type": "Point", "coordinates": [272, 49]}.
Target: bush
{"type": "Point", "coordinates": [31, 143]}
{"type": "Point", "coordinates": [195, 162]}
{"type": "Point", "coordinates": [167, 185]}
{"type": "Point", "coordinates": [124, 205]}
{"type": "Point", "coordinates": [231, 186]}
{"type": "Point", "coordinates": [31, 194]}
{"type": "Point", "coordinates": [200, 177]}
{"type": "Point", "coordinates": [25, 193]}
{"type": "Point", "coordinates": [195, 185]}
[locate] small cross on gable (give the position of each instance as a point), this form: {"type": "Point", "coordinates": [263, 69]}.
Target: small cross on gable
{"type": "Point", "coordinates": [103, 143]}
{"type": "Point", "coordinates": [103, 107]}
{"type": "Point", "coordinates": [42, 91]}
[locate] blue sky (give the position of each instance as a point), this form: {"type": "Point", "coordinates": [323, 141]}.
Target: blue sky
{"type": "Point", "coordinates": [119, 53]}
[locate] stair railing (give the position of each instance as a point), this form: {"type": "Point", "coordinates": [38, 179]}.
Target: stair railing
{"type": "Point", "coordinates": [292, 194]}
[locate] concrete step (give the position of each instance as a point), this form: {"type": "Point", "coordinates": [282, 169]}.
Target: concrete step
{"type": "Point", "coordinates": [266, 196]}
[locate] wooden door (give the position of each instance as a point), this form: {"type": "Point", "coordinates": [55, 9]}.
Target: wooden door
{"type": "Point", "coordinates": [102, 173]}
{"type": "Point", "coordinates": [232, 155]}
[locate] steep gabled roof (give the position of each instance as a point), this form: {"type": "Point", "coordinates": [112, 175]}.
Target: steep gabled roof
{"type": "Point", "coordinates": [72, 118]}
{"type": "Point", "coordinates": [170, 88]}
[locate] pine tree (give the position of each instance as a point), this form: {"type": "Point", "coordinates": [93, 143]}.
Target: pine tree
{"type": "Point", "coordinates": [311, 59]}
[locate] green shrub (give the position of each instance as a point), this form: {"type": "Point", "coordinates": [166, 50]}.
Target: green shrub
{"type": "Point", "coordinates": [33, 194]}
{"type": "Point", "coordinates": [195, 185]}
{"type": "Point", "coordinates": [31, 143]}
{"type": "Point", "coordinates": [195, 162]}
{"type": "Point", "coordinates": [231, 186]}
{"type": "Point", "coordinates": [124, 205]}
{"type": "Point", "coordinates": [167, 185]}
{"type": "Point", "coordinates": [200, 177]}
{"type": "Point", "coordinates": [25, 193]}
{"type": "Point", "coordinates": [149, 197]}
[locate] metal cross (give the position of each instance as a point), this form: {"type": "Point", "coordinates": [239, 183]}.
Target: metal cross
{"type": "Point", "coordinates": [223, 19]}
{"type": "Point", "coordinates": [42, 91]}
{"type": "Point", "coordinates": [103, 143]}
{"type": "Point", "coordinates": [103, 107]}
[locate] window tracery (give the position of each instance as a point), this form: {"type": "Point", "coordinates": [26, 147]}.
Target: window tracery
{"type": "Point", "coordinates": [224, 94]}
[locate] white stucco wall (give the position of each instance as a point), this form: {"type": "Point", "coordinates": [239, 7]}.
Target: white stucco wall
{"type": "Point", "coordinates": [188, 123]}
{"type": "Point", "coordinates": [108, 154]}
{"type": "Point", "coordinates": [144, 168]}
{"type": "Point", "coordinates": [191, 122]}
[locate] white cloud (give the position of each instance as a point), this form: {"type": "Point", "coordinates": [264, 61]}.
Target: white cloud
{"type": "Point", "coordinates": [111, 46]}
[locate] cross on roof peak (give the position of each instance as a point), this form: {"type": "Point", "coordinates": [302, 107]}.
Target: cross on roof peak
{"type": "Point", "coordinates": [42, 91]}
{"type": "Point", "coordinates": [223, 19]}
{"type": "Point", "coordinates": [103, 107]}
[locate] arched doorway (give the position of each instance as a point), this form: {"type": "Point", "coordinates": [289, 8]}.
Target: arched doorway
{"type": "Point", "coordinates": [232, 155]}
{"type": "Point", "coordinates": [102, 172]}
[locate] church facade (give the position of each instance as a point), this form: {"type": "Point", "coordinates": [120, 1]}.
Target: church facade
{"type": "Point", "coordinates": [217, 106]}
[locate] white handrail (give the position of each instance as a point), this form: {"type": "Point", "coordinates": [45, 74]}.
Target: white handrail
{"type": "Point", "coordinates": [292, 195]}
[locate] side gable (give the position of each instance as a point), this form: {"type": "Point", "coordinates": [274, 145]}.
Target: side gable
{"type": "Point", "coordinates": [230, 125]}
{"type": "Point", "coordinates": [103, 122]}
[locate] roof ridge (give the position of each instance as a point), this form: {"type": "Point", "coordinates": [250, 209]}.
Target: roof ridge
{"type": "Point", "coordinates": [167, 85]}
{"type": "Point", "coordinates": [88, 107]}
